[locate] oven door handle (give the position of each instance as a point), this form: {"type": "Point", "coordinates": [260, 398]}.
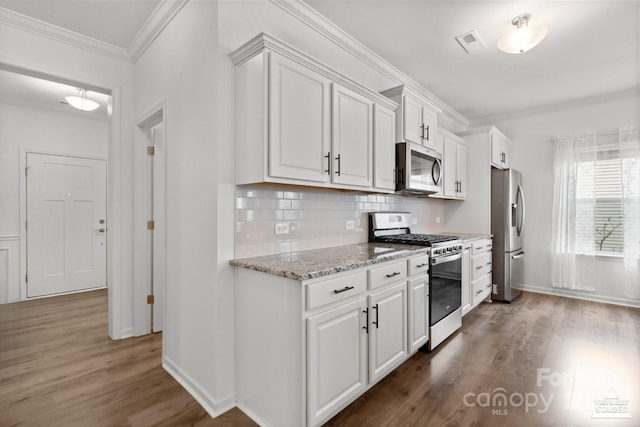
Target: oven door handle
{"type": "Point", "coordinates": [446, 258]}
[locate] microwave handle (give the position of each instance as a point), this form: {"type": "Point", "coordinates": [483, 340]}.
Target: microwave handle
{"type": "Point", "coordinates": [436, 171]}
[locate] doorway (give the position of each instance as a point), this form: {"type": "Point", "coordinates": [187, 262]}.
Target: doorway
{"type": "Point", "coordinates": [151, 218]}
{"type": "Point", "coordinates": [66, 224]}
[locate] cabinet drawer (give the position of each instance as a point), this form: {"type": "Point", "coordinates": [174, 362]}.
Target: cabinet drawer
{"type": "Point", "coordinates": [481, 246]}
{"type": "Point", "coordinates": [332, 290]}
{"type": "Point", "coordinates": [481, 264]}
{"type": "Point", "coordinates": [387, 274]}
{"type": "Point", "coordinates": [481, 288]}
{"type": "Point", "coordinates": [418, 265]}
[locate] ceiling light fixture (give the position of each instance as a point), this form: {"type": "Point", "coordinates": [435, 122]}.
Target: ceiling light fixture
{"type": "Point", "coordinates": [81, 102]}
{"type": "Point", "coordinates": [523, 37]}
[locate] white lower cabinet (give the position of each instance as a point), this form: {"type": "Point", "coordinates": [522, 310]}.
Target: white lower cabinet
{"type": "Point", "coordinates": [387, 330]}
{"type": "Point", "coordinates": [481, 270]}
{"type": "Point", "coordinates": [467, 291]}
{"type": "Point", "coordinates": [306, 349]}
{"type": "Point", "coordinates": [337, 359]}
{"type": "Point", "coordinates": [418, 312]}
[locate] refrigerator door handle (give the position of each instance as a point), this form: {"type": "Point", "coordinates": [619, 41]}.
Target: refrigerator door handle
{"type": "Point", "coordinates": [520, 195]}
{"type": "Point", "coordinates": [518, 255]}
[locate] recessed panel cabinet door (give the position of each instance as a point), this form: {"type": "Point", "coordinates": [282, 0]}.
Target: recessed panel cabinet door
{"type": "Point", "coordinates": [299, 122]}
{"type": "Point", "coordinates": [449, 165]}
{"type": "Point", "coordinates": [387, 330]}
{"type": "Point", "coordinates": [384, 151]}
{"type": "Point", "coordinates": [352, 138]}
{"type": "Point", "coordinates": [412, 120]}
{"type": "Point", "coordinates": [419, 312]}
{"type": "Point", "coordinates": [336, 359]}
{"type": "Point", "coordinates": [461, 170]}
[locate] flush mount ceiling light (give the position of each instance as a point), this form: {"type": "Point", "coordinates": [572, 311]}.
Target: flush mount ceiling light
{"type": "Point", "coordinates": [81, 102]}
{"type": "Point", "coordinates": [523, 38]}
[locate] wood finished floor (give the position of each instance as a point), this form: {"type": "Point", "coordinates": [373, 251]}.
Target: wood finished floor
{"type": "Point", "coordinates": [59, 368]}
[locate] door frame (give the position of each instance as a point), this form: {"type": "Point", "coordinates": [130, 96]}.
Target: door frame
{"type": "Point", "coordinates": [141, 211]}
{"type": "Point", "coordinates": [23, 213]}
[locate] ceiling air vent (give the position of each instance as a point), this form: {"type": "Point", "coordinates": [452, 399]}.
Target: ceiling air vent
{"type": "Point", "coordinates": [470, 41]}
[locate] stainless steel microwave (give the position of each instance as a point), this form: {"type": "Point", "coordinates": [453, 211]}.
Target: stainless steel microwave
{"type": "Point", "coordinates": [419, 169]}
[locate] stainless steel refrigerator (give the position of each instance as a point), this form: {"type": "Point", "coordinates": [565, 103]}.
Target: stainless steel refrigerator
{"type": "Point", "coordinates": [507, 226]}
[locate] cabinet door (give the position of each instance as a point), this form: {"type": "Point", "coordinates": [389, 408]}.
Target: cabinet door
{"type": "Point", "coordinates": [461, 170]}
{"type": "Point", "coordinates": [449, 164]}
{"type": "Point", "coordinates": [384, 154]}
{"type": "Point", "coordinates": [430, 128]}
{"type": "Point", "coordinates": [299, 122]}
{"type": "Point", "coordinates": [499, 150]}
{"type": "Point", "coordinates": [418, 312]}
{"type": "Point", "coordinates": [467, 290]}
{"type": "Point", "coordinates": [352, 138]}
{"type": "Point", "coordinates": [336, 359]}
{"type": "Point", "coordinates": [412, 120]}
{"type": "Point", "coordinates": [387, 330]}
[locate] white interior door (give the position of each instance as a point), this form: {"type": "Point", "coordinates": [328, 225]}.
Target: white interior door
{"type": "Point", "coordinates": [158, 251]}
{"type": "Point", "coordinates": [66, 224]}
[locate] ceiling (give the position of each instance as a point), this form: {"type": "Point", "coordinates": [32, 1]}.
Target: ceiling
{"type": "Point", "coordinates": [592, 49]}
{"type": "Point", "coordinates": [26, 90]}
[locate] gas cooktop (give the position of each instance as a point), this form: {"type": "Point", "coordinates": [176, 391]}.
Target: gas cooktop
{"type": "Point", "coordinates": [393, 227]}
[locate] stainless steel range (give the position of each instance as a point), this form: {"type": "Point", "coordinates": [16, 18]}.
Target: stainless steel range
{"type": "Point", "coordinates": [445, 269]}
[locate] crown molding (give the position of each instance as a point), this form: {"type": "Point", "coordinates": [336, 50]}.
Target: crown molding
{"type": "Point", "coordinates": [53, 32]}
{"type": "Point", "coordinates": [314, 20]}
{"type": "Point", "coordinates": [159, 19]}
{"type": "Point", "coordinates": [267, 42]}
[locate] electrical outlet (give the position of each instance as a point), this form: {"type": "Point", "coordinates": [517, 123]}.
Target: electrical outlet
{"type": "Point", "coordinates": [350, 224]}
{"type": "Point", "coordinates": [414, 221]}
{"type": "Point", "coordinates": [281, 228]}
{"type": "Point", "coordinates": [437, 220]}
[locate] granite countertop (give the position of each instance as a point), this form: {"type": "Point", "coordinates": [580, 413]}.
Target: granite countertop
{"type": "Point", "coordinates": [310, 264]}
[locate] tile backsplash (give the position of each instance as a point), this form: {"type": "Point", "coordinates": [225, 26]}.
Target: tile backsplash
{"type": "Point", "coordinates": [317, 218]}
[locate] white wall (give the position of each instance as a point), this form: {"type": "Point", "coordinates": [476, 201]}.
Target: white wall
{"type": "Point", "coordinates": [531, 152]}
{"type": "Point", "coordinates": [181, 68]}
{"type": "Point", "coordinates": [35, 128]}
{"type": "Point", "coordinates": [29, 50]}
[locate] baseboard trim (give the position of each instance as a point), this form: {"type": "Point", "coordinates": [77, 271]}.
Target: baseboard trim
{"type": "Point", "coordinates": [580, 295]}
{"type": "Point", "coordinates": [205, 400]}
{"type": "Point", "coordinates": [126, 333]}
{"type": "Point", "coordinates": [249, 413]}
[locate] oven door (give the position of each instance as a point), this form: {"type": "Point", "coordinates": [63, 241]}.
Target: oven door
{"type": "Point", "coordinates": [445, 295]}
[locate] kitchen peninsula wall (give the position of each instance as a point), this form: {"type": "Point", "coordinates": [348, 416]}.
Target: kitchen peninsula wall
{"type": "Point", "coordinates": [317, 218]}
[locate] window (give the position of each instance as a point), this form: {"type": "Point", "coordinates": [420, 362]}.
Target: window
{"type": "Point", "coordinates": [603, 180]}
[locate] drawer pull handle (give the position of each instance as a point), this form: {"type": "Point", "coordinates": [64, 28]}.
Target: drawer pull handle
{"type": "Point", "coordinates": [479, 292]}
{"type": "Point", "coordinates": [377, 322]}
{"type": "Point", "coordinates": [346, 288]}
{"type": "Point", "coordinates": [366, 324]}
{"type": "Point", "coordinates": [422, 265]}
{"type": "Point", "coordinates": [479, 248]}
{"type": "Point", "coordinates": [489, 263]}
{"type": "Point", "coordinates": [389, 276]}
{"type": "Point", "coordinates": [479, 267]}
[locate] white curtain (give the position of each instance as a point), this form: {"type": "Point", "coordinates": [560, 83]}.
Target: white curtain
{"type": "Point", "coordinates": [630, 153]}
{"type": "Point", "coordinates": [567, 270]}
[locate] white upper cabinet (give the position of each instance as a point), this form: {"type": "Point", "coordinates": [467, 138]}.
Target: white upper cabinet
{"type": "Point", "coordinates": [299, 122]}
{"type": "Point", "coordinates": [411, 120]}
{"type": "Point", "coordinates": [416, 117]}
{"type": "Point", "coordinates": [352, 138]}
{"type": "Point", "coordinates": [499, 149]}
{"type": "Point", "coordinates": [299, 131]}
{"type": "Point", "coordinates": [454, 165]}
{"type": "Point", "coordinates": [384, 148]}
